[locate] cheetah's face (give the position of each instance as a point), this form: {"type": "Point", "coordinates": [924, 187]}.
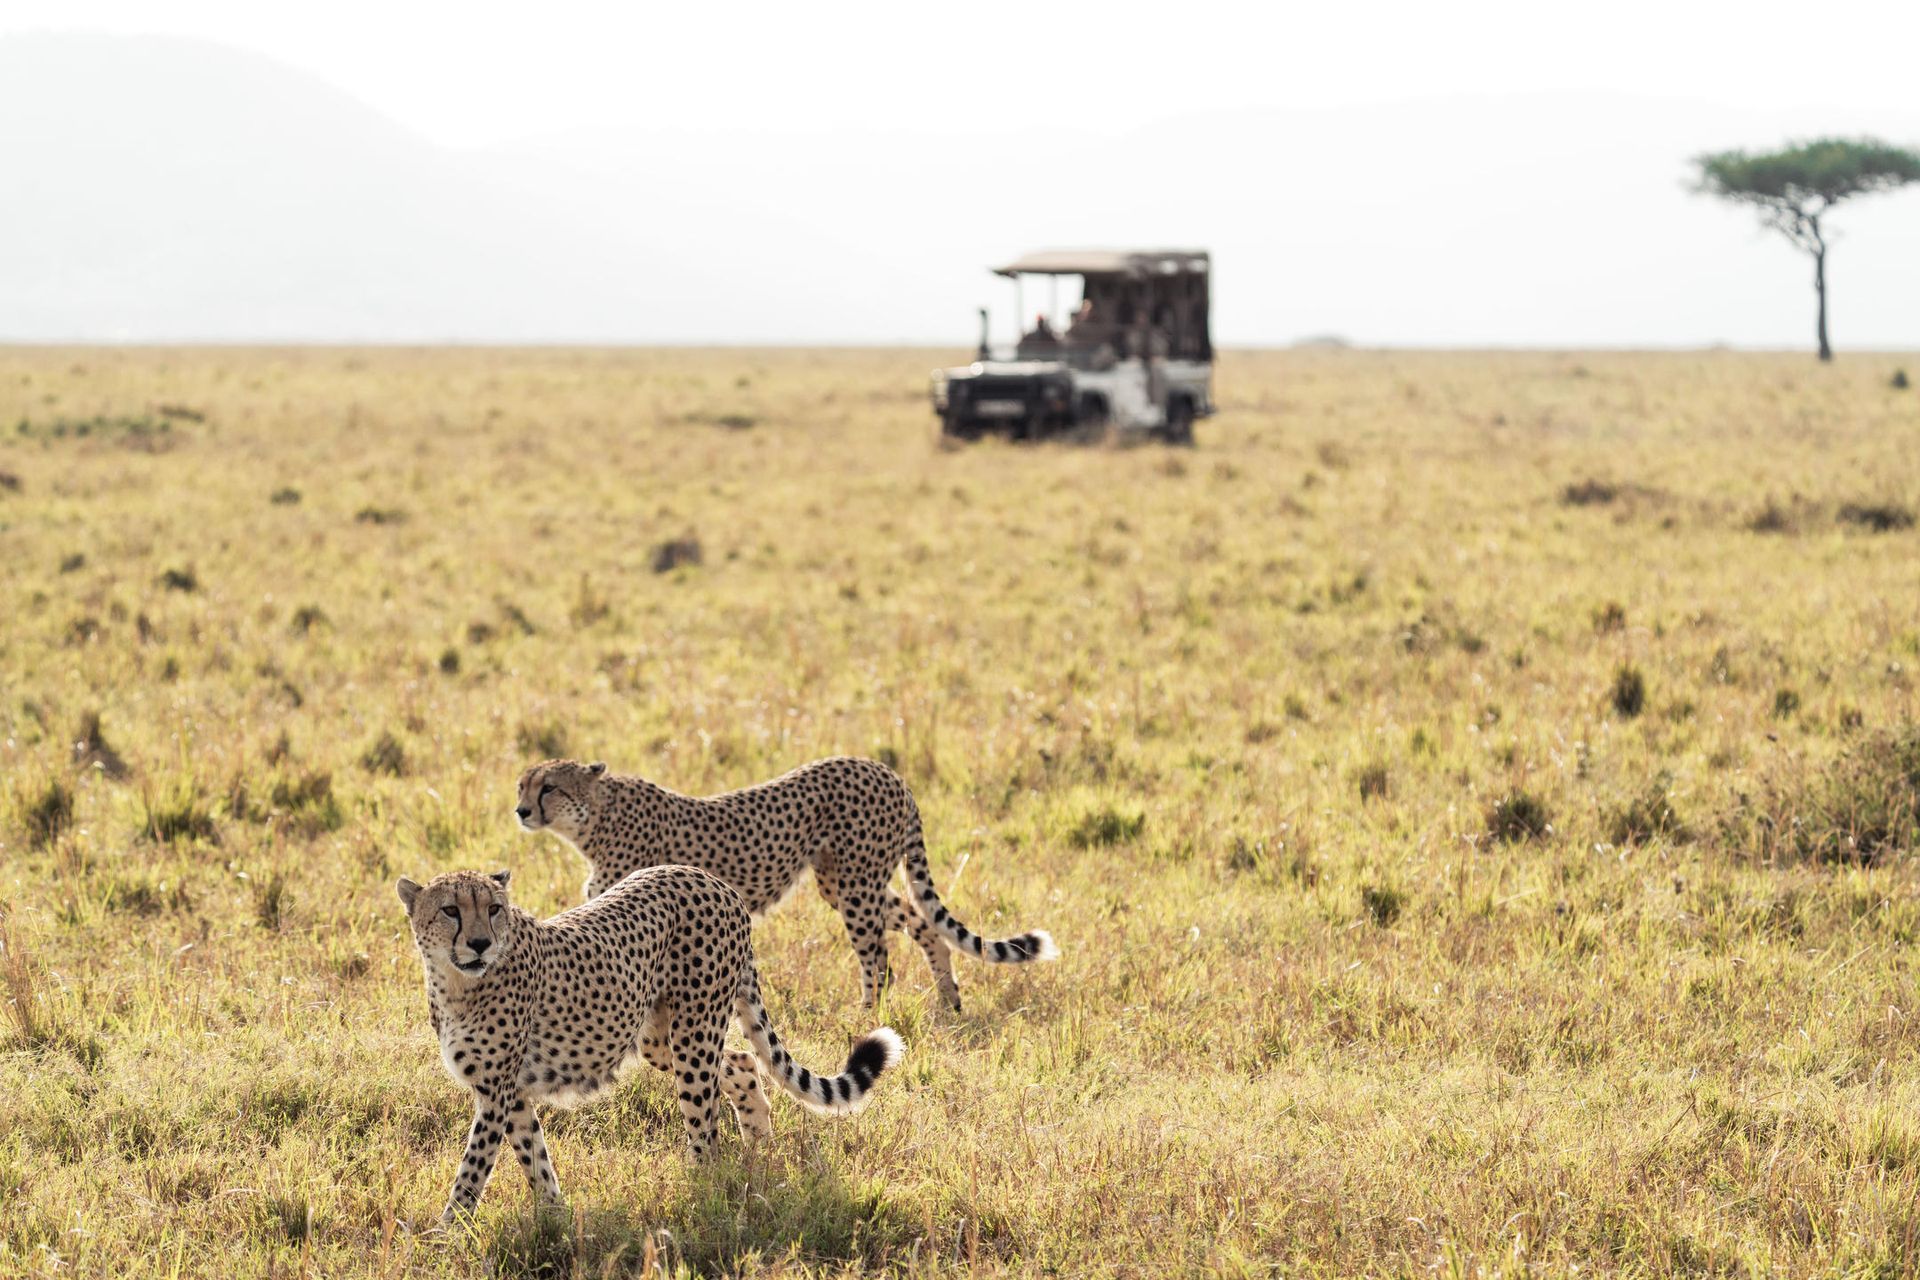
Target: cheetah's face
{"type": "Point", "coordinates": [559, 795]}
{"type": "Point", "coordinates": [460, 920]}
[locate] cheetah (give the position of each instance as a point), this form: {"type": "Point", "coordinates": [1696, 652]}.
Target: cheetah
{"type": "Point", "coordinates": [554, 1011]}
{"type": "Point", "coordinates": [851, 820]}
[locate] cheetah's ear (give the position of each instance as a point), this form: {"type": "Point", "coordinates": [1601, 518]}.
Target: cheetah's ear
{"type": "Point", "coordinates": [501, 877]}
{"type": "Point", "coordinates": [408, 891]}
{"type": "Point", "coordinates": [597, 768]}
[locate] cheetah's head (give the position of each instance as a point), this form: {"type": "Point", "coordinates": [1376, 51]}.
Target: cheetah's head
{"type": "Point", "coordinates": [561, 796]}
{"type": "Point", "coordinates": [460, 920]}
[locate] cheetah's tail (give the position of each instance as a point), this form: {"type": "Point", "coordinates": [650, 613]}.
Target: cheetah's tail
{"type": "Point", "coordinates": [1035, 944]}
{"type": "Point", "coordinates": [843, 1094]}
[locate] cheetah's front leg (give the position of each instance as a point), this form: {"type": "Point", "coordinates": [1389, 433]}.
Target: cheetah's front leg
{"type": "Point", "coordinates": [499, 1114]}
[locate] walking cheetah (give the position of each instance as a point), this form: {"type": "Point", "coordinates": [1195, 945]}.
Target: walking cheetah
{"type": "Point", "coordinates": [851, 820]}
{"type": "Point", "coordinates": [531, 1011]}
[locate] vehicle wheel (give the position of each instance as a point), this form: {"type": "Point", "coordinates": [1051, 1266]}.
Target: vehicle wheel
{"type": "Point", "coordinates": [952, 428]}
{"type": "Point", "coordinates": [1179, 428]}
{"type": "Point", "coordinates": [1092, 413]}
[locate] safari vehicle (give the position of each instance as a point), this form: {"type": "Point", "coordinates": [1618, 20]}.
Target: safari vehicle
{"type": "Point", "coordinates": [1136, 354]}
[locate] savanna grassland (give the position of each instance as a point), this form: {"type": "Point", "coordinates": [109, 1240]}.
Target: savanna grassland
{"type": "Point", "coordinates": [1474, 796]}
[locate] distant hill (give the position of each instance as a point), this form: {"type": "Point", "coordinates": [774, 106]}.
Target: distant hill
{"type": "Point", "coordinates": [162, 189]}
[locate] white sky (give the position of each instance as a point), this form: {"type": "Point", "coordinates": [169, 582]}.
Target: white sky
{"type": "Point", "coordinates": [1324, 87]}
{"type": "Point", "coordinates": [483, 71]}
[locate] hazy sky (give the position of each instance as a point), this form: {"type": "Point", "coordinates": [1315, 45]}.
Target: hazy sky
{"type": "Point", "coordinates": [1331, 194]}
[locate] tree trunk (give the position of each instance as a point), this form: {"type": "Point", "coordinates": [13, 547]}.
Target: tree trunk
{"type": "Point", "coordinates": [1820, 286]}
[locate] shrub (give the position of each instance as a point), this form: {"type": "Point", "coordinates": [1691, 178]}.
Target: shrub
{"type": "Point", "coordinates": [380, 515]}
{"type": "Point", "coordinates": [307, 617]}
{"type": "Point", "coordinates": [1629, 696]}
{"type": "Point", "coordinates": [285, 497]}
{"type": "Point", "coordinates": [449, 661]}
{"type": "Point", "coordinates": [1785, 703]}
{"type": "Point", "coordinates": [1516, 816]}
{"type": "Point", "coordinates": [1610, 617]}
{"type": "Point", "coordinates": [180, 580]}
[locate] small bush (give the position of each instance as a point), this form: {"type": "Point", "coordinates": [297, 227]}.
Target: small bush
{"type": "Point", "coordinates": [386, 755]}
{"type": "Point", "coordinates": [180, 580]}
{"type": "Point", "coordinates": [1382, 903]}
{"type": "Point", "coordinates": [1646, 814]}
{"type": "Point", "coordinates": [1519, 815]}
{"type": "Point", "coordinates": [285, 497]}
{"type": "Point", "coordinates": [1629, 696]}
{"type": "Point", "coordinates": [1610, 617]}
{"type": "Point", "coordinates": [1786, 702]}
{"type": "Point", "coordinates": [9, 482]}
{"type": "Point", "coordinates": [380, 515]}
{"type": "Point", "coordinates": [479, 632]}
{"type": "Point", "coordinates": [1877, 517]}
{"type": "Point", "coordinates": [670, 555]}
{"type": "Point", "coordinates": [1899, 380]}
{"type": "Point", "coordinates": [306, 618]}
{"type": "Point", "coordinates": [73, 563]}
{"type": "Point", "coordinates": [449, 661]}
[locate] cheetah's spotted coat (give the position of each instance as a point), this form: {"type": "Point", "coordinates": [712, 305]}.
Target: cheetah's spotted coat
{"type": "Point", "coordinates": [531, 1011]}
{"type": "Point", "coordinates": [852, 821]}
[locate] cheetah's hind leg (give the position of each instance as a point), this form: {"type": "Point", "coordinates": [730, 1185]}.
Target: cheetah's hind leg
{"type": "Point", "coordinates": [902, 916]}
{"type": "Point", "coordinates": [740, 1078]}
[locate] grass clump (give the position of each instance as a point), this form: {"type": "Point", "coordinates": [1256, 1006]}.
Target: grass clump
{"type": "Point", "coordinates": [379, 515]}
{"type": "Point", "coordinates": [1100, 825]}
{"type": "Point", "coordinates": [1382, 903]}
{"type": "Point", "coordinates": [180, 580]}
{"type": "Point", "coordinates": [1861, 809]}
{"type": "Point", "coordinates": [1372, 780]}
{"type": "Point", "coordinates": [181, 816]}
{"type": "Point", "coordinates": [386, 756]}
{"type": "Point", "coordinates": [1629, 693]}
{"type": "Point", "coordinates": [675, 552]}
{"type": "Point", "coordinates": [285, 496]}
{"type": "Point", "coordinates": [47, 812]}
{"type": "Point", "coordinates": [1877, 517]}
{"type": "Point", "coordinates": [1518, 815]}
{"type": "Point", "coordinates": [1647, 813]}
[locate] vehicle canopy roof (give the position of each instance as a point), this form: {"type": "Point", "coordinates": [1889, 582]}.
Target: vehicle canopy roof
{"type": "Point", "coordinates": [1132, 263]}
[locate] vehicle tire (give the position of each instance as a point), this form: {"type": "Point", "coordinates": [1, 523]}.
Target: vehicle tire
{"type": "Point", "coordinates": [1179, 428]}
{"type": "Point", "coordinates": [952, 427]}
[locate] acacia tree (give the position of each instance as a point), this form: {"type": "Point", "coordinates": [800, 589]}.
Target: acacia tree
{"type": "Point", "coordinates": [1795, 187]}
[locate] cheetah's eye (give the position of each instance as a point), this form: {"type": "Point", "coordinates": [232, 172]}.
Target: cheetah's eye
{"type": "Point", "coordinates": [494, 910]}
{"type": "Point", "coordinates": [451, 913]}
{"type": "Point", "coordinates": [546, 788]}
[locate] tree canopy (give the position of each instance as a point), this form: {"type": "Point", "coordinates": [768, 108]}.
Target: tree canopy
{"type": "Point", "coordinates": [1793, 188]}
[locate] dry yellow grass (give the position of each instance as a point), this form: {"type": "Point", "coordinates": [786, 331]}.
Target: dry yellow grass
{"type": "Point", "coordinates": [1240, 725]}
